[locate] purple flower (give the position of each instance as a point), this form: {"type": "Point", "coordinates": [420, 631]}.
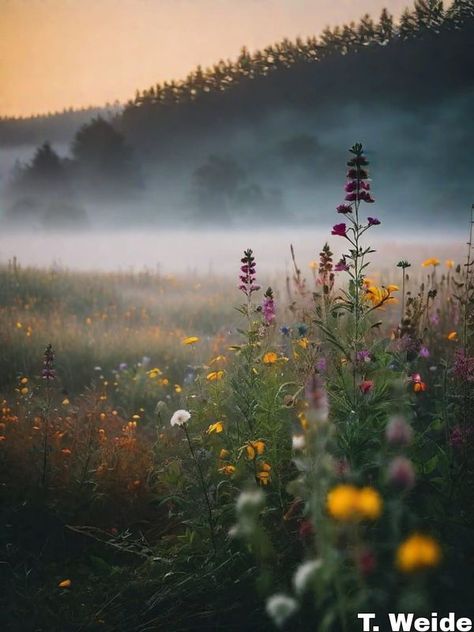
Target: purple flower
{"type": "Point", "coordinates": [351, 197]}
{"type": "Point", "coordinates": [344, 209]}
{"type": "Point", "coordinates": [339, 230]}
{"type": "Point", "coordinates": [366, 197]}
{"type": "Point", "coordinates": [321, 365]}
{"type": "Point", "coordinates": [363, 355]}
{"type": "Point", "coordinates": [373, 221]}
{"type": "Point", "coordinates": [268, 307]}
{"type": "Point", "coordinates": [247, 276]}
{"type": "Point", "coordinates": [351, 186]}
{"type": "Point", "coordinates": [424, 352]}
{"type": "Point", "coordinates": [341, 266]}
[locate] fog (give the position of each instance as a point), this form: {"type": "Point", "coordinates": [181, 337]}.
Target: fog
{"type": "Point", "coordinates": [214, 252]}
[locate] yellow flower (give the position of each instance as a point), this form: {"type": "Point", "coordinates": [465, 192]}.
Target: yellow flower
{"type": "Point", "coordinates": [270, 358]}
{"type": "Point", "coordinates": [313, 265]}
{"type": "Point", "coordinates": [24, 390]}
{"type": "Point", "coordinates": [303, 343]}
{"type": "Point", "coordinates": [228, 470]}
{"type": "Point", "coordinates": [19, 325]}
{"type": "Point", "coordinates": [254, 448]}
{"type": "Point", "coordinates": [217, 427]}
{"type": "Point", "coordinates": [223, 454]}
{"type": "Point", "coordinates": [369, 503]}
{"type": "Point", "coordinates": [433, 261]}
{"type": "Point", "coordinates": [152, 373]}
{"type": "Point", "coordinates": [24, 380]}
{"type": "Point", "coordinates": [347, 503]}
{"type": "Point", "coordinates": [264, 475]}
{"type": "Point", "coordinates": [392, 288]}
{"type": "Point", "coordinates": [453, 335]}
{"type": "Point", "coordinates": [303, 421]}
{"type": "Point", "coordinates": [341, 502]}
{"type": "Point", "coordinates": [65, 583]}
{"type": "Point", "coordinates": [217, 359]}
{"type": "Point", "coordinates": [418, 552]}
{"type": "Point", "coordinates": [190, 340]}
{"type": "Point", "coordinates": [449, 263]}
{"type": "Point", "coordinates": [65, 402]}
{"type": "Point", "coordinates": [213, 376]}
{"type": "Point", "coordinates": [177, 388]}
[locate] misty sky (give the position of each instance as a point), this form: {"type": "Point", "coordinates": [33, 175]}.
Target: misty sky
{"type": "Point", "coordinates": [60, 53]}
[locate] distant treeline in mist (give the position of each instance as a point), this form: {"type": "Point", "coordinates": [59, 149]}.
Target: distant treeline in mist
{"type": "Point", "coordinates": [264, 136]}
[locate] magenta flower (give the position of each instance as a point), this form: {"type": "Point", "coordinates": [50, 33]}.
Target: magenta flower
{"type": "Point", "coordinates": [351, 197]}
{"type": "Point", "coordinates": [350, 186]}
{"type": "Point", "coordinates": [366, 197]}
{"type": "Point", "coordinates": [341, 266]}
{"type": "Point", "coordinates": [344, 209]}
{"type": "Point", "coordinates": [366, 386]}
{"type": "Point", "coordinates": [339, 230]}
{"type": "Point", "coordinates": [373, 221]}
{"type": "Point", "coordinates": [268, 307]}
{"type": "Point", "coordinates": [247, 274]}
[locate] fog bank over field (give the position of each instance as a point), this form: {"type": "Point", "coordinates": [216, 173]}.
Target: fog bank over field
{"type": "Point", "coordinates": [217, 252]}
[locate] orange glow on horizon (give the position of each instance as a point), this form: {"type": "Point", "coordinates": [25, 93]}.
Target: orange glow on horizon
{"type": "Point", "coordinates": [56, 54]}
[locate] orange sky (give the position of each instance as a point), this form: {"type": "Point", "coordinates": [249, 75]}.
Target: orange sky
{"type": "Point", "coordinates": [59, 53]}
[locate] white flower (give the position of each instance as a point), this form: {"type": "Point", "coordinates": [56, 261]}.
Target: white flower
{"type": "Point", "coordinates": [250, 501]}
{"type": "Point", "coordinates": [280, 607]}
{"type": "Point", "coordinates": [180, 417]}
{"type": "Point", "coordinates": [304, 574]}
{"type": "Point", "coordinates": [299, 442]}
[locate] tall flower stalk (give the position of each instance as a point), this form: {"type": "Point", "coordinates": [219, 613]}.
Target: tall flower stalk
{"type": "Point", "coordinates": [48, 374]}
{"type": "Point", "coordinates": [358, 190]}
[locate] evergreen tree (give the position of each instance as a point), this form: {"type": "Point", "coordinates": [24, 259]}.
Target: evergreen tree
{"type": "Point", "coordinates": [408, 26]}
{"type": "Point", "coordinates": [429, 14]}
{"type": "Point", "coordinates": [366, 30]}
{"type": "Point", "coordinates": [385, 27]}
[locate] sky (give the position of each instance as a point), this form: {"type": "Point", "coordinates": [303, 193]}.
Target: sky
{"type": "Point", "coordinates": [75, 53]}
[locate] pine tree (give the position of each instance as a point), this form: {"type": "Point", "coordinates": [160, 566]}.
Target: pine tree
{"type": "Point", "coordinates": [385, 27]}
{"type": "Point", "coordinates": [366, 30]}
{"type": "Point", "coordinates": [460, 11]}
{"type": "Point", "coordinates": [429, 14]}
{"type": "Point", "coordinates": [407, 28]}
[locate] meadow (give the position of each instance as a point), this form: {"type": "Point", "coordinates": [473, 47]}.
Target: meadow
{"type": "Point", "coordinates": [201, 453]}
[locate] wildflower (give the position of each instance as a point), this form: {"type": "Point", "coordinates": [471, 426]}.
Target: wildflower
{"type": "Point", "coordinates": [459, 436]}
{"type": "Point", "coordinates": [401, 473]}
{"type": "Point", "coordinates": [270, 358]}
{"type": "Point", "coordinates": [224, 454]}
{"type": "Point", "coordinates": [316, 396]}
{"type": "Point", "coordinates": [66, 452]}
{"type": "Point", "coordinates": [304, 574]}
{"type": "Point", "coordinates": [228, 469]}
{"type": "Point", "coordinates": [255, 448]}
{"type": "Point", "coordinates": [247, 274]}
{"type": "Point", "coordinates": [280, 608]}
{"type": "Point", "coordinates": [190, 340]}
{"type": "Point", "coordinates": [342, 502]}
{"type": "Point", "coordinates": [305, 529]}
{"type": "Point", "coordinates": [298, 442]}
{"type": "Point", "coordinates": [418, 552]}
{"type": "Point", "coordinates": [24, 380]}
{"type": "Point", "coordinates": [285, 331]}
{"type": "Point", "coordinates": [65, 583]}
{"type": "Point", "coordinates": [463, 367]}
{"type": "Point", "coordinates": [264, 475]}
{"type": "Point", "coordinates": [24, 390]}
{"type": "Point", "coordinates": [373, 221]}
{"type": "Point", "coordinates": [378, 296]}
{"type": "Point", "coordinates": [366, 386]}
{"type": "Point", "coordinates": [303, 343]}
{"type": "Point", "coordinates": [418, 385]}
{"type": "Point", "coordinates": [177, 389]}
{"type": "Point", "coordinates": [215, 376]}
{"type": "Point", "coordinates": [398, 432]}
{"type": "Point", "coordinates": [430, 262]}
{"type": "Point", "coordinates": [363, 356]}
{"type": "Point", "coordinates": [250, 501]}
{"type": "Point", "coordinates": [369, 503]}
{"type": "Point", "coordinates": [341, 266]}
{"type": "Point", "coordinates": [268, 307]}
{"type": "Point", "coordinates": [344, 209]}
{"type": "Point", "coordinates": [449, 263]}
{"type": "Point", "coordinates": [48, 373]}
{"type": "Point", "coordinates": [66, 402]}
{"type": "Point", "coordinates": [180, 418]}
{"type": "Point", "coordinates": [424, 352]}
{"type": "Point", "coordinates": [217, 428]}
{"type": "Point", "coordinates": [339, 230]}
{"type": "Point", "coordinates": [153, 373]}
{"type": "Point", "coordinates": [452, 335]}
{"type": "Point", "coordinates": [403, 264]}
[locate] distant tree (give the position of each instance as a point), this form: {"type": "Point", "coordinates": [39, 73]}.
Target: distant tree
{"type": "Point", "coordinates": [366, 30]}
{"type": "Point", "coordinates": [216, 184]}
{"type": "Point", "coordinates": [408, 25]}
{"type": "Point", "coordinates": [103, 160]}
{"type": "Point", "coordinates": [460, 11]}
{"type": "Point", "coordinates": [385, 27]}
{"type": "Point", "coordinates": [429, 14]}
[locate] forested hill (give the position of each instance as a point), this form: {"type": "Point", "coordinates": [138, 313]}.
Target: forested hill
{"type": "Point", "coordinates": [264, 137]}
{"type": "Point", "coordinates": [426, 58]}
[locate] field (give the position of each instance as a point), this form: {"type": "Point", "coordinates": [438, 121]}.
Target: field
{"type": "Point", "coordinates": [204, 453]}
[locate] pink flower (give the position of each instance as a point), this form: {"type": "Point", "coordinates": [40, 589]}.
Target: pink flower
{"type": "Point", "coordinates": [366, 386]}
{"type": "Point", "coordinates": [344, 209]}
{"type": "Point", "coordinates": [398, 432]}
{"type": "Point", "coordinates": [339, 230]}
{"type": "Point", "coordinates": [373, 221]}
{"type": "Point", "coordinates": [401, 473]}
{"type": "Point", "coordinates": [341, 266]}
